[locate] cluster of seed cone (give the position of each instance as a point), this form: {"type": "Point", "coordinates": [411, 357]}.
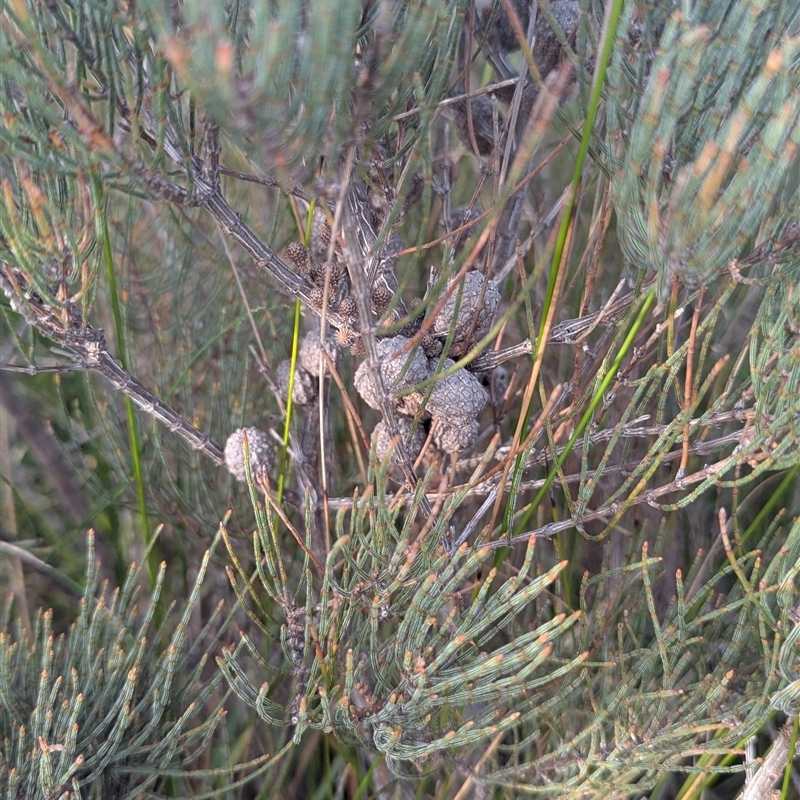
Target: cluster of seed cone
{"type": "Point", "coordinates": [447, 406]}
{"type": "Point", "coordinates": [450, 401]}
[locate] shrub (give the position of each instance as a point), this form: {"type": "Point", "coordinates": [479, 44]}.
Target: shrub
{"type": "Point", "coordinates": [517, 409]}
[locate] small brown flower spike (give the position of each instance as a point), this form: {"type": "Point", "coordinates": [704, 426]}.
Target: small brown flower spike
{"type": "Point", "coordinates": [381, 299]}
{"type": "Point", "coordinates": [347, 306]}
{"type": "Point", "coordinates": [299, 256]}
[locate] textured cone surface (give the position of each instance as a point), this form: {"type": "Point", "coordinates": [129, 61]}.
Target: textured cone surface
{"type": "Point", "coordinates": [383, 440]}
{"type": "Point", "coordinates": [303, 392]}
{"type": "Point", "coordinates": [348, 307]}
{"type": "Point", "coordinates": [451, 436]}
{"type": "Point", "coordinates": [472, 311]}
{"type": "Point", "coordinates": [310, 350]}
{"type": "Point", "coordinates": [459, 396]}
{"type": "Point", "coordinates": [394, 373]}
{"type": "Point", "coordinates": [260, 453]}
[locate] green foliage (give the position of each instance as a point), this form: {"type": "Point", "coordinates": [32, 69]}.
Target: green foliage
{"type": "Point", "coordinates": [397, 653]}
{"type": "Point", "coordinates": [787, 698]}
{"type": "Point", "coordinates": [113, 707]}
{"type": "Point", "coordinates": [712, 142]}
{"type": "Point", "coordinates": [774, 365]}
{"type": "Point", "coordinates": [399, 658]}
{"type": "Point", "coordinates": [296, 62]}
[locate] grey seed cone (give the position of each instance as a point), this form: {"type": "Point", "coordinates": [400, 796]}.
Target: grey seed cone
{"type": "Point", "coordinates": [472, 310]}
{"type": "Point", "coordinates": [260, 449]}
{"type": "Point", "coordinates": [383, 440]}
{"type": "Point", "coordinates": [394, 373]}
{"type": "Point", "coordinates": [452, 437]}
{"type": "Point", "coordinates": [459, 396]}
{"type": "Point", "coordinates": [310, 350]}
{"type": "Point", "coordinates": [304, 390]}
{"type": "Point", "coordinates": [502, 38]}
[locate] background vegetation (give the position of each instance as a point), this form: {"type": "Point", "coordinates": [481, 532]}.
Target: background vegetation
{"type": "Point", "coordinates": [587, 587]}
